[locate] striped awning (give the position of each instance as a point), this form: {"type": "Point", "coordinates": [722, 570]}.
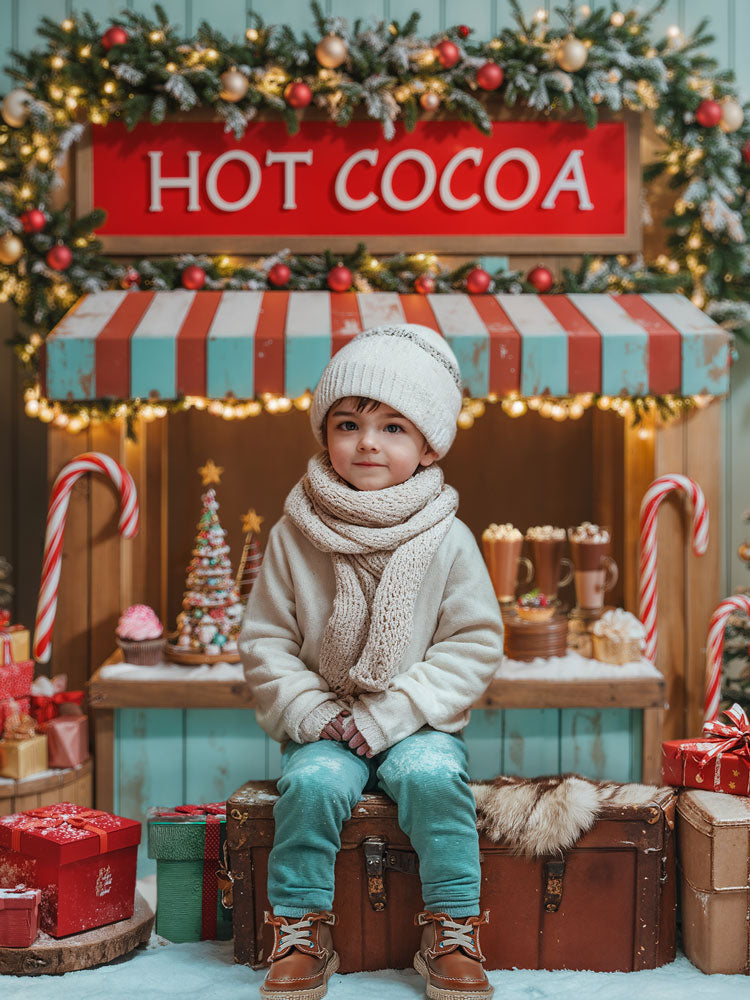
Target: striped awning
{"type": "Point", "coordinates": [123, 345]}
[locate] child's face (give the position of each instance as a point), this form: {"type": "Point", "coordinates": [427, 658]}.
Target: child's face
{"type": "Point", "coordinates": [374, 449]}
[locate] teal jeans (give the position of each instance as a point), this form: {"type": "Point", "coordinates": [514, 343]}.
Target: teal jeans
{"type": "Point", "coordinates": [425, 774]}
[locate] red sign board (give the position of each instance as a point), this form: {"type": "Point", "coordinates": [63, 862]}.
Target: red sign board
{"type": "Point", "coordinates": [443, 186]}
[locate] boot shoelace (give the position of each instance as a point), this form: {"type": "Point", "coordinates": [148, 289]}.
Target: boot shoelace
{"type": "Point", "coordinates": [296, 933]}
{"type": "Point", "coordinates": [454, 933]}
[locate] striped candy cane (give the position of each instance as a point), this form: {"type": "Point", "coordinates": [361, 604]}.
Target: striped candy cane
{"type": "Point", "coordinates": [92, 461]}
{"type": "Point", "coordinates": [715, 651]}
{"type": "Point", "coordinates": [653, 497]}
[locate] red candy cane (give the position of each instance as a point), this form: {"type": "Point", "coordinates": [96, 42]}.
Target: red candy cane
{"type": "Point", "coordinates": [715, 650]}
{"type": "Point", "coordinates": [92, 461]}
{"type": "Point", "coordinates": [657, 491]}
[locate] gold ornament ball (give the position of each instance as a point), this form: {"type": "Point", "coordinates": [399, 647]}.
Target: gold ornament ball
{"type": "Point", "coordinates": [732, 115]}
{"type": "Point", "coordinates": [430, 101]}
{"type": "Point", "coordinates": [233, 85]}
{"type": "Point", "coordinates": [15, 108]}
{"type": "Point", "coordinates": [11, 248]}
{"type": "Point", "coordinates": [572, 54]}
{"type": "Point", "coordinates": [331, 51]}
{"type": "Point", "coordinates": [744, 551]}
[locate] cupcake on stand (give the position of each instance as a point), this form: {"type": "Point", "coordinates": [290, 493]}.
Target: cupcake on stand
{"type": "Point", "coordinates": [140, 636]}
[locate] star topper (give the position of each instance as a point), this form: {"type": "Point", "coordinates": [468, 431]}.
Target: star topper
{"type": "Point", "coordinates": [210, 472]}
{"type": "Point", "coordinates": [251, 522]}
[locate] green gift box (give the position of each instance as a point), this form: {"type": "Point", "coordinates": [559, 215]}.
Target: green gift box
{"type": "Point", "coordinates": [188, 843]}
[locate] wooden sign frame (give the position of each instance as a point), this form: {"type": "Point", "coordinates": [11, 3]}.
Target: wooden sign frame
{"type": "Point", "coordinates": [628, 242]}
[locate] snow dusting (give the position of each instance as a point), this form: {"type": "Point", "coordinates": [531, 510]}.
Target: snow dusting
{"type": "Point", "coordinates": [231, 672]}
{"type": "Point", "coordinates": [574, 667]}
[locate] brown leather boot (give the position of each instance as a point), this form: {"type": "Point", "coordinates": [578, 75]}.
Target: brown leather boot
{"type": "Point", "coordinates": [450, 958]}
{"type": "Point", "coordinates": [302, 960]}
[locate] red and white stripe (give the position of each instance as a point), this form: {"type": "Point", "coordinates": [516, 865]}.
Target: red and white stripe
{"type": "Point", "coordinates": [93, 461]}
{"type": "Point", "coordinates": [715, 651]}
{"type": "Point", "coordinates": [657, 491]}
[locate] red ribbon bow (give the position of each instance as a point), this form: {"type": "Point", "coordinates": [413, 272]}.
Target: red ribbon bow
{"type": "Point", "coordinates": [38, 819]}
{"type": "Point", "coordinates": [44, 708]}
{"type": "Point", "coordinates": [206, 809]}
{"type": "Point", "coordinates": [734, 739]}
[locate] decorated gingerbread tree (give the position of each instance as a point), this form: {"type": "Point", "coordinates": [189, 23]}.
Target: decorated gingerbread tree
{"type": "Point", "coordinates": [252, 556]}
{"type": "Point", "coordinates": [208, 625]}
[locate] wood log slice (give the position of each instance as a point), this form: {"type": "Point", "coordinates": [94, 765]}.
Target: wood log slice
{"type": "Point", "coordinates": [177, 655]}
{"type": "Point", "coordinates": [49, 956]}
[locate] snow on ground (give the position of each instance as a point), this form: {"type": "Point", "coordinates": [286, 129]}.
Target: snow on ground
{"type": "Point", "coordinates": [206, 970]}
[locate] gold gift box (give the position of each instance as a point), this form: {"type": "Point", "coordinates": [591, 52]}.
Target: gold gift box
{"type": "Point", "coordinates": [19, 642]}
{"type": "Point", "coordinates": [22, 758]}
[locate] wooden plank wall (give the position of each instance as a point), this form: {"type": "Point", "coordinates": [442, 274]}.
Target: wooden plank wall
{"type": "Point", "coordinates": [23, 442]}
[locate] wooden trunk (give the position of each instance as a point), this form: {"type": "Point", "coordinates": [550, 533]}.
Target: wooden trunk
{"type": "Point", "coordinates": [607, 905]}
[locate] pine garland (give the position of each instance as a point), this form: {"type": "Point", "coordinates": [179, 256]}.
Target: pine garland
{"type": "Point", "coordinates": [389, 66]}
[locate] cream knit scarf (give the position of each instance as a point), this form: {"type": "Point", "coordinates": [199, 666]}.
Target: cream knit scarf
{"type": "Point", "coordinates": [381, 542]}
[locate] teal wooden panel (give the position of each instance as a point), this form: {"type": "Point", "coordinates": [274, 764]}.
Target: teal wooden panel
{"type": "Point", "coordinates": [7, 22]}
{"type": "Point", "coordinates": [433, 17]}
{"type": "Point", "coordinates": [305, 357]}
{"type": "Point", "coordinates": [291, 12]}
{"type": "Point", "coordinates": [224, 748]}
{"type": "Point", "coordinates": [739, 34]}
{"type": "Point", "coordinates": [228, 17]}
{"type": "Point", "coordinates": [273, 759]}
{"type": "Point", "coordinates": [531, 742]}
{"type": "Point", "coordinates": [148, 766]}
{"type": "Point", "coordinates": [737, 412]}
{"type": "Point", "coordinates": [153, 366]}
{"type": "Point", "coordinates": [480, 17]}
{"type": "Point", "coordinates": [103, 10]}
{"type": "Point", "coordinates": [719, 14]}
{"type": "Point", "coordinates": [176, 10]}
{"type": "Point", "coordinates": [70, 367]}
{"type": "Point", "coordinates": [484, 743]}
{"type": "Point", "coordinates": [229, 367]}
{"type": "Point", "coordinates": [671, 14]}
{"type": "Point", "coordinates": [30, 13]}
{"type": "Point", "coordinates": [368, 11]}
{"type": "Point", "coordinates": [601, 744]}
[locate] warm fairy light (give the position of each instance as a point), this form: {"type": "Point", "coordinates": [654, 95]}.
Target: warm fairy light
{"type": "Point", "coordinates": [171, 67]}
{"type": "Point", "coordinates": [109, 87]}
{"type": "Point", "coordinates": [251, 34]}
{"type": "Point", "coordinates": [156, 36]}
{"type": "Point", "coordinates": [57, 62]}
{"type": "Point", "coordinates": [211, 55]}
{"type": "Point", "coordinates": [617, 19]}
{"type": "Point", "coordinates": [85, 51]}
{"type": "Point", "coordinates": [56, 93]}
{"type": "Point", "coordinates": [643, 433]}
{"type": "Point", "coordinates": [673, 31]}
{"type": "Point", "coordinates": [584, 10]}
{"type": "Point", "coordinates": [540, 15]}
{"type": "Point", "coordinates": [71, 103]}
{"type": "Point", "coordinates": [68, 24]}
{"type": "Point", "coordinates": [465, 420]}
{"type": "Point", "coordinates": [25, 192]}
{"type": "Point", "coordinates": [43, 154]}
{"type": "Point", "coordinates": [604, 402]}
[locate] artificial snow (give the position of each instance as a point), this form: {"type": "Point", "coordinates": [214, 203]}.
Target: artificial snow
{"type": "Point", "coordinates": [574, 667]}
{"type": "Point", "coordinates": [230, 672]}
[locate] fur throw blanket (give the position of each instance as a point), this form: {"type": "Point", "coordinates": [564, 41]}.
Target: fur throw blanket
{"type": "Point", "coordinates": [543, 816]}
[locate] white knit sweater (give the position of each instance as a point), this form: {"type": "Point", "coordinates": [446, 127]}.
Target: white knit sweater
{"type": "Point", "coordinates": [455, 647]}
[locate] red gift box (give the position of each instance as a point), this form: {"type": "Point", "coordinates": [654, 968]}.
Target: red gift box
{"type": "Point", "coordinates": [46, 707]}
{"type": "Point", "coordinates": [68, 740]}
{"type": "Point", "coordinates": [83, 860]}
{"type": "Point", "coordinates": [12, 706]}
{"type": "Point", "coordinates": [719, 761]}
{"type": "Point", "coordinates": [19, 916]}
{"type": "Point", "coordinates": [15, 676]}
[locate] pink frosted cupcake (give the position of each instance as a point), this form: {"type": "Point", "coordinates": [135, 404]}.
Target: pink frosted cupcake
{"type": "Point", "coordinates": [140, 636]}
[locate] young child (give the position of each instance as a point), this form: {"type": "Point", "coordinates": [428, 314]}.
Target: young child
{"type": "Point", "coordinates": [369, 633]}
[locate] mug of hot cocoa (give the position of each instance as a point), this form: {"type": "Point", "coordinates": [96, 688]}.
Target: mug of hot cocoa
{"type": "Point", "coordinates": [595, 571]}
{"type": "Point", "coordinates": [502, 544]}
{"type": "Point", "coordinates": [547, 544]}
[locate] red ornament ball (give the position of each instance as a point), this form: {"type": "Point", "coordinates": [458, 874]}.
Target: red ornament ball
{"type": "Point", "coordinates": [708, 113]}
{"type": "Point", "coordinates": [59, 257]}
{"type": "Point", "coordinates": [477, 281]}
{"type": "Point", "coordinates": [339, 278]}
{"type": "Point", "coordinates": [297, 94]}
{"type": "Point", "coordinates": [33, 221]}
{"type": "Point", "coordinates": [746, 152]}
{"type": "Point", "coordinates": [193, 277]}
{"type": "Point", "coordinates": [131, 279]}
{"type": "Point", "coordinates": [490, 76]}
{"type": "Point", "coordinates": [424, 284]}
{"type": "Point", "coordinates": [114, 36]}
{"type": "Point", "coordinates": [279, 275]}
{"type": "Point", "coordinates": [541, 278]}
{"type": "Point", "coordinates": [447, 53]}
{"type": "Point", "coordinates": [464, 30]}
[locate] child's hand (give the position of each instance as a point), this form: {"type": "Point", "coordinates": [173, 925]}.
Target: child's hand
{"type": "Point", "coordinates": [344, 729]}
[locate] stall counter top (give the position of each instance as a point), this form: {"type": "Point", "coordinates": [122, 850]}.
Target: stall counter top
{"type": "Point", "coordinates": [571, 681]}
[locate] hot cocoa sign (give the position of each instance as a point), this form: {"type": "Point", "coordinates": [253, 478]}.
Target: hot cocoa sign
{"type": "Point", "coordinates": [531, 185]}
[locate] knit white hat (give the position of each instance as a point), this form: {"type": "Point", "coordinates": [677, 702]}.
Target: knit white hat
{"type": "Point", "coordinates": [409, 367]}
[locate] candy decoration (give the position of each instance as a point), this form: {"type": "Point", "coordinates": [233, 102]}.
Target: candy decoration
{"type": "Point", "coordinates": [279, 275]}
{"type": "Point", "coordinates": [193, 277]}
{"type": "Point", "coordinates": [571, 54]}
{"type": "Point", "coordinates": [477, 281]}
{"type": "Point", "coordinates": [92, 461]}
{"type": "Point", "coordinates": [33, 221]}
{"type": "Point", "coordinates": [424, 284]}
{"type": "Point", "coordinates": [715, 651]}
{"type": "Point", "coordinates": [114, 36]}
{"type": "Point", "coordinates": [59, 257]}
{"type": "Point", "coordinates": [339, 278]}
{"type": "Point", "coordinates": [541, 278]}
{"type": "Point", "coordinates": [708, 113]}
{"type": "Point", "coordinates": [331, 51]}
{"type": "Point", "coordinates": [447, 53]}
{"type": "Point", "coordinates": [490, 76]}
{"type": "Point", "coordinates": [297, 94]}
{"type": "Point", "coordinates": [657, 491]}
{"type": "Point", "coordinates": [732, 115]}
{"type": "Point", "coordinates": [11, 248]}
{"type": "Point", "coordinates": [234, 85]}
{"type": "Point", "coordinates": [15, 108]}
{"type": "Point", "coordinates": [430, 101]}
